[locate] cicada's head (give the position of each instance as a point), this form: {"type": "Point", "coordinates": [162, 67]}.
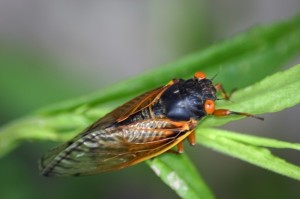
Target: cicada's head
{"type": "Point", "coordinates": [192, 98]}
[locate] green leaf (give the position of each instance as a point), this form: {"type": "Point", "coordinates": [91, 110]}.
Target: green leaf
{"type": "Point", "coordinates": [179, 173]}
{"type": "Point", "coordinates": [242, 60]}
{"type": "Point", "coordinates": [250, 149]}
{"type": "Point", "coordinates": [250, 139]}
{"type": "Point", "coordinates": [274, 93]}
{"type": "Point", "coordinates": [268, 95]}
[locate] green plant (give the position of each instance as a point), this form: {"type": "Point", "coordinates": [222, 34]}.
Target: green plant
{"type": "Point", "coordinates": [248, 59]}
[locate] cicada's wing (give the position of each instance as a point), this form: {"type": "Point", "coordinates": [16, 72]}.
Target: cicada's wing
{"type": "Point", "coordinates": [103, 146]}
{"type": "Point", "coordinates": [113, 148]}
{"type": "Point", "coordinates": [129, 108]}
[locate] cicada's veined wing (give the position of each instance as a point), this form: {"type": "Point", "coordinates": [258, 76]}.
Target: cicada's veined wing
{"type": "Point", "coordinates": [129, 108]}
{"type": "Point", "coordinates": [104, 146]}
{"type": "Point", "coordinates": [113, 148]}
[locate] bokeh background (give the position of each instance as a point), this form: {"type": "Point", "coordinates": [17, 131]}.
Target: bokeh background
{"type": "Point", "coordinates": [56, 50]}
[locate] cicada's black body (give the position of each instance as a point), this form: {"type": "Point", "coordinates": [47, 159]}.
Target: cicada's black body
{"type": "Point", "coordinates": [182, 101]}
{"type": "Point", "coordinates": [142, 128]}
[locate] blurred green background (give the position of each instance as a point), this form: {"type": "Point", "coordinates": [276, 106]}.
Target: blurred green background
{"type": "Point", "coordinates": [56, 50]}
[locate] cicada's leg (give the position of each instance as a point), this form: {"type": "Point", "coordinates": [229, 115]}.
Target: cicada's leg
{"type": "Point", "coordinates": [192, 138]}
{"type": "Point", "coordinates": [219, 87]}
{"type": "Point", "coordinates": [186, 127]}
{"type": "Point", "coordinates": [182, 126]}
{"type": "Point", "coordinates": [226, 112]}
{"type": "Point", "coordinates": [209, 107]}
{"type": "Point", "coordinates": [180, 148]}
{"type": "Point", "coordinates": [189, 126]}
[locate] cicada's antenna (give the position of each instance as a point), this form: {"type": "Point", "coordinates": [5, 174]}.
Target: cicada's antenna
{"type": "Point", "coordinates": [217, 73]}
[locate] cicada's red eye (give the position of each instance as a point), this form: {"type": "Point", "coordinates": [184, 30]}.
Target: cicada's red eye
{"type": "Point", "coordinates": [209, 106]}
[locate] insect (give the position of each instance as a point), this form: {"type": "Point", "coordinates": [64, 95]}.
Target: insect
{"type": "Point", "coordinates": [142, 128]}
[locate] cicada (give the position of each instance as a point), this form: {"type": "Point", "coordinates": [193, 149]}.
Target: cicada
{"type": "Point", "coordinates": [144, 127]}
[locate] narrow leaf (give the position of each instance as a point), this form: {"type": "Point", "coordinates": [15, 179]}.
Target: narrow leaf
{"type": "Point", "coordinates": [274, 93]}
{"type": "Point", "coordinates": [243, 60]}
{"type": "Point", "coordinates": [178, 172]}
{"type": "Point", "coordinates": [251, 140]}
{"type": "Point", "coordinates": [256, 155]}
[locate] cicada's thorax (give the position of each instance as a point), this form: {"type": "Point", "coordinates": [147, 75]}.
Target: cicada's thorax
{"type": "Point", "coordinates": [182, 101]}
{"type": "Point", "coordinates": [185, 99]}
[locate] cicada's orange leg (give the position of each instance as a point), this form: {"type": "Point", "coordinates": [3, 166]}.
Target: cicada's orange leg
{"type": "Point", "coordinates": [226, 112]}
{"type": "Point", "coordinates": [180, 148]}
{"type": "Point", "coordinates": [192, 138]}
{"type": "Point", "coordinates": [219, 87]}
{"type": "Point", "coordinates": [209, 107]}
